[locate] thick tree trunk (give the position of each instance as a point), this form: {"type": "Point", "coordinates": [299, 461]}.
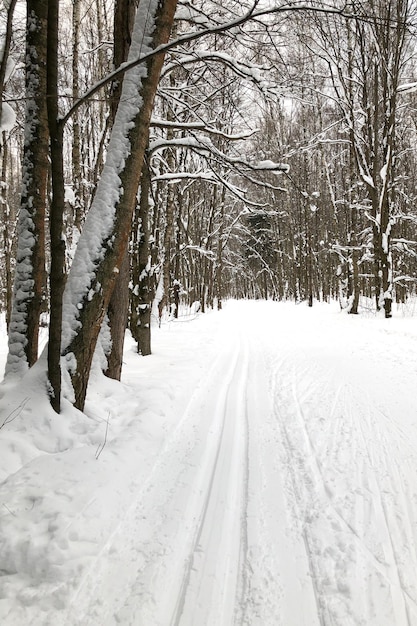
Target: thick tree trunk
{"type": "Point", "coordinates": [117, 314]}
{"type": "Point", "coordinates": [353, 242]}
{"type": "Point", "coordinates": [168, 234]}
{"type": "Point", "coordinates": [124, 18]}
{"type": "Point", "coordinates": [105, 235]}
{"type": "Point", "coordinates": [386, 255]}
{"type": "Point", "coordinates": [165, 301]}
{"type": "Point", "coordinates": [142, 271]}
{"type": "Point", "coordinates": [30, 277]}
{"type": "Point", "coordinates": [56, 213]}
{"type": "Point", "coordinates": [219, 257]}
{"type": "Point", "coordinates": [76, 133]}
{"type": "Point", "coordinates": [177, 265]}
{"type": "Point", "coordinates": [8, 220]}
{"type": "Point", "coordinates": [118, 309]}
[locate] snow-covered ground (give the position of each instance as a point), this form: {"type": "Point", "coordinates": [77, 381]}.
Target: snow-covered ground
{"type": "Point", "coordinates": [259, 469]}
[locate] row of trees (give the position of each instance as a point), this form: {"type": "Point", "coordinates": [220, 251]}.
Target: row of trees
{"type": "Point", "coordinates": [194, 153]}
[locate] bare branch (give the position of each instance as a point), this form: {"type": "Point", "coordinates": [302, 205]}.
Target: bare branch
{"type": "Point", "coordinates": [251, 14]}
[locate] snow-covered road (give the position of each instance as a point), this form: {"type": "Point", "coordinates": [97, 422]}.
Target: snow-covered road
{"type": "Point", "coordinates": [271, 480]}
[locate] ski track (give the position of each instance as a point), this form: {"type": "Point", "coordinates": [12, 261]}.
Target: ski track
{"type": "Point", "coordinates": [209, 444]}
{"type": "Point", "coordinates": [218, 552]}
{"type": "Point", "coordinates": [362, 522]}
{"type": "Point", "coordinates": [285, 496]}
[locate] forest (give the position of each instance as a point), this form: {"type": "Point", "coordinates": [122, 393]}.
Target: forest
{"type": "Point", "coordinates": [156, 155]}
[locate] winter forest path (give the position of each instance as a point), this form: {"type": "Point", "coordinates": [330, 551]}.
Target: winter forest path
{"type": "Point", "coordinates": [287, 493]}
{"type": "Point", "coordinates": [260, 469]}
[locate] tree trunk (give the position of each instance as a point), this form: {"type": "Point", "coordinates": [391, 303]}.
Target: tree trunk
{"type": "Point", "coordinates": [353, 310]}
{"type": "Point", "coordinates": [353, 241]}
{"type": "Point", "coordinates": [56, 213]}
{"type": "Point", "coordinates": [168, 233]}
{"type": "Point", "coordinates": [118, 309]}
{"type": "Point", "coordinates": [124, 18]}
{"type": "Point", "coordinates": [105, 235]}
{"type": "Point", "coordinates": [177, 265]}
{"type": "Point", "coordinates": [219, 257]}
{"type": "Point", "coordinates": [30, 277]}
{"type": "Point", "coordinates": [142, 271]}
{"type": "Point", "coordinates": [117, 313]}
{"type": "Point", "coordinates": [76, 135]}
{"type": "Point", "coordinates": [8, 220]}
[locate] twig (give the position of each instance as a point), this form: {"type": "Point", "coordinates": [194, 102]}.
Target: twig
{"type": "Point", "coordinates": [17, 412]}
{"type": "Point", "coordinates": [101, 446]}
{"type": "Point", "coordinates": [7, 508]}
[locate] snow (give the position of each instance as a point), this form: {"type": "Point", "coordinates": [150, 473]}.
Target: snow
{"type": "Point", "coordinates": [7, 118]}
{"type": "Point", "coordinates": [365, 177]}
{"type": "Point", "coordinates": [407, 88]}
{"type": "Point", "coordinates": [258, 469]}
{"type": "Point", "coordinates": [70, 195]}
{"type": "Point", "coordinates": [271, 165]}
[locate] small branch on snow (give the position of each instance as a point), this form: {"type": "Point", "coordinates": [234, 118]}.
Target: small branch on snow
{"type": "Point", "coordinates": [15, 413]}
{"type": "Point", "coordinates": [10, 511]}
{"type": "Point", "coordinates": [101, 446]}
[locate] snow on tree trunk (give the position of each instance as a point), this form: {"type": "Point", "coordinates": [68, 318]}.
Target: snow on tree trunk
{"type": "Point", "coordinates": [56, 210]}
{"type": "Point", "coordinates": [105, 235]}
{"type": "Point", "coordinates": [118, 309]}
{"type": "Point", "coordinates": [142, 271]}
{"type": "Point", "coordinates": [8, 219]}
{"type": "Point", "coordinates": [117, 313]}
{"type": "Point", "coordinates": [30, 275]}
{"type": "Point", "coordinates": [76, 130]}
{"type": "Point", "coordinates": [219, 257]}
{"type": "Point", "coordinates": [169, 230]}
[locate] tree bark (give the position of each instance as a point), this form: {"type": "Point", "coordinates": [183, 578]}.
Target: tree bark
{"type": "Point", "coordinates": [30, 276]}
{"type": "Point", "coordinates": [8, 221]}
{"type": "Point", "coordinates": [118, 310]}
{"type": "Point", "coordinates": [169, 232]}
{"type": "Point", "coordinates": [219, 257]}
{"type": "Point", "coordinates": [76, 134]}
{"type": "Point", "coordinates": [56, 213]}
{"type": "Point", "coordinates": [142, 271]}
{"type": "Point", "coordinates": [117, 314]}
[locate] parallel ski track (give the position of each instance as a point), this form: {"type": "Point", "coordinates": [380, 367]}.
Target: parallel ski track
{"type": "Point", "coordinates": [296, 478]}
{"type": "Point", "coordinates": [202, 470]}
{"type": "Point", "coordinates": [216, 565]}
{"type": "Point", "coordinates": [377, 470]}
